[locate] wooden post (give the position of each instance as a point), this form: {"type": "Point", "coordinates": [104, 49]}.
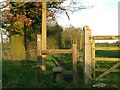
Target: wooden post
{"type": "Point", "coordinates": [87, 55]}
{"type": "Point", "coordinates": [0, 59]}
{"type": "Point", "coordinates": [93, 58]}
{"type": "Point", "coordinates": [44, 34]}
{"type": "Point", "coordinates": [39, 55]}
{"type": "Point", "coordinates": [39, 45]}
{"type": "Point", "coordinates": [74, 47]}
{"type": "Point", "coordinates": [80, 48]}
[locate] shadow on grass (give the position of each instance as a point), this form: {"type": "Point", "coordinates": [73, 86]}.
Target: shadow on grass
{"type": "Point", "coordinates": [24, 74]}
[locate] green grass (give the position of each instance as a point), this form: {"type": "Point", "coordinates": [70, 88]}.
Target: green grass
{"type": "Point", "coordinates": [111, 79]}
{"type": "Point", "coordinates": [16, 74]}
{"type": "Point", "coordinates": [24, 74]}
{"type": "Point", "coordinates": [113, 54]}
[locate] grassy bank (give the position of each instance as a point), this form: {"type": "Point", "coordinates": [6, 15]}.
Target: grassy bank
{"type": "Point", "coordinates": [24, 74]}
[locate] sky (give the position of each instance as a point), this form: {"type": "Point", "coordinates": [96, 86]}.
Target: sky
{"type": "Point", "coordinates": [102, 18]}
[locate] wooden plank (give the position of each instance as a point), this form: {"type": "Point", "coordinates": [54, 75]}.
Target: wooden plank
{"type": "Point", "coordinates": [44, 34]}
{"type": "Point", "coordinates": [108, 71]}
{"type": "Point", "coordinates": [65, 51]}
{"type": "Point", "coordinates": [80, 47]}
{"type": "Point", "coordinates": [107, 44]}
{"type": "Point", "coordinates": [106, 37]}
{"type": "Point", "coordinates": [106, 59]}
{"type": "Point", "coordinates": [107, 48]}
{"type": "Point", "coordinates": [39, 56]}
{"type": "Point", "coordinates": [103, 69]}
{"type": "Point", "coordinates": [74, 54]}
{"type": "Point", "coordinates": [93, 58]}
{"type": "Point", "coordinates": [57, 69]}
{"type": "Point", "coordinates": [39, 44]}
{"type": "Point", "coordinates": [87, 54]}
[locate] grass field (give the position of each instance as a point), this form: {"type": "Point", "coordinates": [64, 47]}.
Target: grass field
{"type": "Point", "coordinates": [24, 74]}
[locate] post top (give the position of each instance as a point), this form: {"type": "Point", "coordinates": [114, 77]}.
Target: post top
{"type": "Point", "coordinates": [86, 27]}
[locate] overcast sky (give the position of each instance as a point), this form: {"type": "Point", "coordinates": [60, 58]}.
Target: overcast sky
{"type": "Point", "coordinates": [102, 18]}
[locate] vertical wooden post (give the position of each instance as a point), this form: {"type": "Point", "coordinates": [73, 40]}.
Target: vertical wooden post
{"type": "Point", "coordinates": [39, 45]}
{"type": "Point", "coordinates": [80, 48]}
{"type": "Point", "coordinates": [74, 47]}
{"type": "Point", "coordinates": [87, 55]}
{"type": "Point", "coordinates": [0, 59]}
{"type": "Point", "coordinates": [44, 33]}
{"type": "Point", "coordinates": [39, 55]}
{"type": "Point", "coordinates": [93, 58]}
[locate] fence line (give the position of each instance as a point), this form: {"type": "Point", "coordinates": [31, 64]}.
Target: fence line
{"type": "Point", "coordinates": [90, 57]}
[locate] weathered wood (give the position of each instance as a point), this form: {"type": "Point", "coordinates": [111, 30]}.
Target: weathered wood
{"type": "Point", "coordinates": [106, 37]}
{"type": "Point", "coordinates": [1, 58]}
{"type": "Point", "coordinates": [93, 58]}
{"type": "Point", "coordinates": [104, 69]}
{"type": "Point", "coordinates": [80, 47]}
{"type": "Point", "coordinates": [57, 73]}
{"type": "Point", "coordinates": [57, 69]}
{"type": "Point", "coordinates": [107, 48]}
{"type": "Point", "coordinates": [74, 48]}
{"type": "Point", "coordinates": [39, 56]}
{"type": "Point", "coordinates": [59, 51]}
{"type": "Point", "coordinates": [39, 45]}
{"type": "Point", "coordinates": [106, 59]}
{"type": "Point", "coordinates": [108, 71]}
{"type": "Point", "coordinates": [87, 55]}
{"type": "Point", "coordinates": [44, 34]}
{"type": "Point", "coordinates": [107, 45]}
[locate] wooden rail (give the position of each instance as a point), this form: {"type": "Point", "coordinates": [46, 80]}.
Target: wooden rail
{"type": "Point", "coordinates": [107, 48]}
{"type": "Point", "coordinates": [106, 37]}
{"type": "Point", "coordinates": [90, 57]}
{"type": "Point", "coordinates": [104, 69]}
{"type": "Point", "coordinates": [108, 71]}
{"type": "Point", "coordinates": [106, 59]}
{"type": "Point", "coordinates": [58, 51]}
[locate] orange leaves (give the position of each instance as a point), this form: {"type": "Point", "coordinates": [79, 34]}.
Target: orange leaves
{"type": "Point", "coordinates": [53, 18]}
{"type": "Point", "coordinates": [37, 4]}
{"type": "Point", "coordinates": [24, 19]}
{"type": "Point", "coordinates": [28, 21]}
{"type": "Point", "coordinates": [52, 15]}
